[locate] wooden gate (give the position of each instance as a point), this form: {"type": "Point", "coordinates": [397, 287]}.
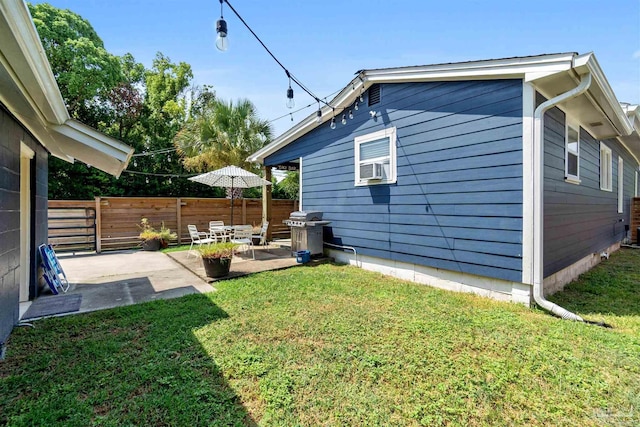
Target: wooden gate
{"type": "Point", "coordinates": [72, 228]}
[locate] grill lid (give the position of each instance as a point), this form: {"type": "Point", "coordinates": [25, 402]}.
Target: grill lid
{"type": "Point", "coordinates": [306, 216]}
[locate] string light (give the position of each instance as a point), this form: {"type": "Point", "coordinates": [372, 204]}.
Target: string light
{"type": "Point", "coordinates": [222, 41]}
{"type": "Point", "coordinates": [290, 102]}
{"type": "Point", "coordinates": [333, 123]}
{"type": "Point", "coordinates": [344, 119]}
{"type": "Point", "coordinates": [221, 28]}
{"type": "Point", "coordinates": [350, 115]}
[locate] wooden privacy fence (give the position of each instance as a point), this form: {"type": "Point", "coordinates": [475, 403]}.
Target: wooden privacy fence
{"type": "Point", "coordinates": [117, 219]}
{"type": "Point", "coordinates": [635, 219]}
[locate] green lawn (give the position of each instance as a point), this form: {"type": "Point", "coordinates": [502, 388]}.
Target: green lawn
{"type": "Point", "coordinates": [335, 345]}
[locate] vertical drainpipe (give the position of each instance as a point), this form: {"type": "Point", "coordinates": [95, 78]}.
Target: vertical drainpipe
{"type": "Point", "coordinates": [538, 209]}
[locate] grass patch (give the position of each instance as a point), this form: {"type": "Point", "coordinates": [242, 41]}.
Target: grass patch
{"type": "Point", "coordinates": [329, 345]}
{"type": "Point", "coordinates": [178, 248]}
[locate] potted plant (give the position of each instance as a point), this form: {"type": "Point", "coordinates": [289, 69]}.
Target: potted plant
{"type": "Point", "coordinates": [153, 239]}
{"type": "Point", "coordinates": [216, 258]}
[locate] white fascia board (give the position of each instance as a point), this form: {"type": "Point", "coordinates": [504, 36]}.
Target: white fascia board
{"type": "Point", "coordinates": [536, 66]}
{"type": "Point", "coordinates": [487, 68]}
{"type": "Point", "coordinates": [588, 63]}
{"type": "Point", "coordinates": [633, 114]}
{"type": "Point", "coordinates": [94, 148]}
{"type": "Point", "coordinates": [32, 66]}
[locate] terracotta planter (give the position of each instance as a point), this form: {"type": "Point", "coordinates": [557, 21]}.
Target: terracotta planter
{"type": "Point", "coordinates": [216, 267]}
{"type": "Point", "coordinates": [151, 245]}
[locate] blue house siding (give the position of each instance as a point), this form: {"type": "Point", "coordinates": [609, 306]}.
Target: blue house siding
{"type": "Point", "coordinates": [11, 135]}
{"type": "Point", "coordinates": [457, 203]}
{"type": "Point", "coordinates": [581, 219]}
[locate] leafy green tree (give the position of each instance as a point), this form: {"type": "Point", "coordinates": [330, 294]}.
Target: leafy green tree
{"type": "Point", "coordinates": [86, 73]}
{"type": "Point", "coordinates": [290, 185]}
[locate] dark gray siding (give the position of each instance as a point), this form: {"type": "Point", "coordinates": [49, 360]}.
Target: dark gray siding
{"type": "Point", "coordinates": [457, 204]}
{"type": "Point", "coordinates": [580, 219]}
{"type": "Point", "coordinates": [11, 134]}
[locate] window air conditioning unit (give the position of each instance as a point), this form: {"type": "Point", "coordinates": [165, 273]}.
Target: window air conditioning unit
{"type": "Point", "coordinates": [371, 171]}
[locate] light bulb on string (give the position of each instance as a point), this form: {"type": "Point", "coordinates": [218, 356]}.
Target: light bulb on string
{"type": "Point", "coordinates": [319, 116]}
{"type": "Point", "coordinates": [146, 180]}
{"type": "Point", "coordinates": [333, 123]}
{"type": "Point", "coordinates": [350, 115]}
{"type": "Point", "coordinates": [290, 102]}
{"type": "Point", "coordinates": [222, 41]}
{"type": "Point", "coordinates": [344, 119]}
{"type": "Point", "coordinates": [355, 106]}
{"type": "Point", "coordinates": [135, 163]}
{"type": "Point", "coordinates": [169, 180]}
{"type": "Point", "coordinates": [168, 157]}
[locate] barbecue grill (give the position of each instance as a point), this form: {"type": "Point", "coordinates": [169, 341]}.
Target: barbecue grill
{"type": "Point", "coordinates": [306, 231]}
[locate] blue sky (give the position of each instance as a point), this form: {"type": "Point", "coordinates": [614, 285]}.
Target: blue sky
{"type": "Point", "coordinates": [324, 43]}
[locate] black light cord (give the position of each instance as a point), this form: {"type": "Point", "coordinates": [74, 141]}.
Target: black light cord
{"type": "Point", "coordinates": [289, 75]}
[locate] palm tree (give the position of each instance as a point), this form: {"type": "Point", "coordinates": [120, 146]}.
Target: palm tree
{"type": "Point", "coordinates": [220, 134]}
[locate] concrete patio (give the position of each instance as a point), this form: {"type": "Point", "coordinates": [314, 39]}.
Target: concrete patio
{"type": "Point", "coordinates": [119, 278]}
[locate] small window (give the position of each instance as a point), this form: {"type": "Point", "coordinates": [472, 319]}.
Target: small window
{"type": "Point", "coordinates": [572, 154]}
{"type": "Point", "coordinates": [620, 182]}
{"type": "Point", "coordinates": [606, 170]}
{"type": "Point", "coordinates": [375, 158]}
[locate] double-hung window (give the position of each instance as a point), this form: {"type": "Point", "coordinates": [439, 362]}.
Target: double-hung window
{"type": "Point", "coordinates": [606, 170]}
{"type": "Point", "coordinates": [375, 157]}
{"type": "Point", "coordinates": [572, 154]}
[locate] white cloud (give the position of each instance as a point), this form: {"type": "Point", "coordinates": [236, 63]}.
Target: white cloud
{"type": "Point", "coordinates": [636, 54]}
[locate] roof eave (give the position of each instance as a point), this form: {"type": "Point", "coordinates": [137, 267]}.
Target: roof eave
{"type": "Point", "coordinates": [602, 93]}
{"type": "Point", "coordinates": [478, 70]}
{"type": "Point", "coordinates": [32, 95]}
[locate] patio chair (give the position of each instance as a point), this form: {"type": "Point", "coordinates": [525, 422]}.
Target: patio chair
{"type": "Point", "coordinates": [197, 237]}
{"type": "Point", "coordinates": [218, 231]}
{"type": "Point", "coordinates": [263, 234]}
{"type": "Point", "coordinates": [242, 236]}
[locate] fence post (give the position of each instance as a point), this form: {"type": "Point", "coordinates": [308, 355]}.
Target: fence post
{"type": "Point", "coordinates": [179, 219]}
{"type": "Point", "coordinates": [98, 226]}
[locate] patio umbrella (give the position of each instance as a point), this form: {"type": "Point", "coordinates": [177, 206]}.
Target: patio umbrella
{"type": "Point", "coordinates": [230, 177]}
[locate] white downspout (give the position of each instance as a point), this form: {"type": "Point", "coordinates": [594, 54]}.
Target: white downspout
{"type": "Point", "coordinates": [538, 209]}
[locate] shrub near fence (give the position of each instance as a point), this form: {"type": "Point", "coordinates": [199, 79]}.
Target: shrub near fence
{"type": "Point", "coordinates": [118, 218]}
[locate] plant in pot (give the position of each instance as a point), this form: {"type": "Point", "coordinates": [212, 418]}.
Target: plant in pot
{"type": "Point", "coordinates": [153, 239]}
{"type": "Point", "coordinates": [216, 258]}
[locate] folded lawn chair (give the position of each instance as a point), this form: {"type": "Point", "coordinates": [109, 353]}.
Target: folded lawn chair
{"type": "Point", "coordinates": [53, 273]}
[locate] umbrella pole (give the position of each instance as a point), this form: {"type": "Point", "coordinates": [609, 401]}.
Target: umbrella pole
{"type": "Point", "coordinates": [232, 201]}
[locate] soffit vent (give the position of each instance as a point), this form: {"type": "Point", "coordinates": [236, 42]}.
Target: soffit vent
{"type": "Point", "coordinates": [374, 95]}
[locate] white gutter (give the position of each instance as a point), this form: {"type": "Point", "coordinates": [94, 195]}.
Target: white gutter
{"type": "Point", "coordinates": [538, 208]}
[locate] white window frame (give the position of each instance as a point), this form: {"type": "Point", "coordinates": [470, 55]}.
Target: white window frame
{"type": "Point", "coordinates": [389, 133]}
{"type": "Point", "coordinates": [620, 184]}
{"type": "Point", "coordinates": [574, 179]}
{"type": "Point", "coordinates": [606, 168]}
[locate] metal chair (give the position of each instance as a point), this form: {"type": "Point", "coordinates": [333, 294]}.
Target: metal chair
{"type": "Point", "coordinates": [263, 234]}
{"type": "Point", "coordinates": [197, 237]}
{"type": "Point", "coordinates": [242, 236]}
{"type": "Point", "coordinates": [219, 233]}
